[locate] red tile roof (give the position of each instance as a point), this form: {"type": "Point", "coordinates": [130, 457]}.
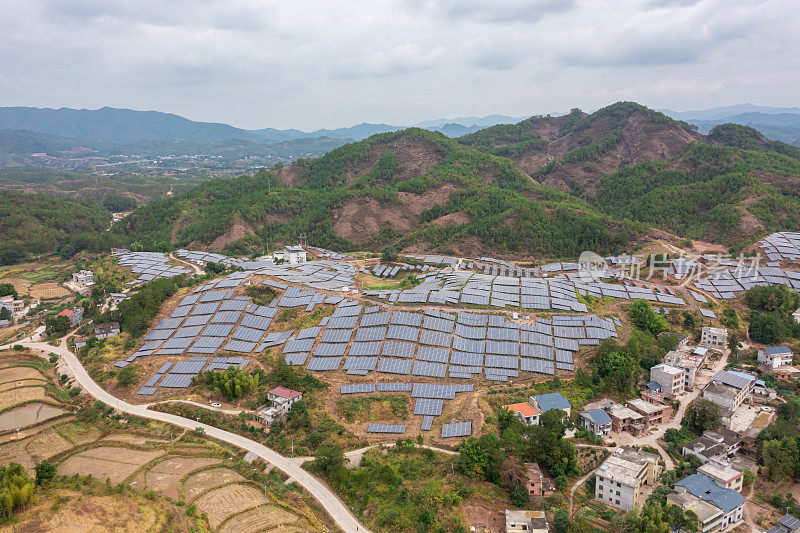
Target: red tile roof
{"type": "Point", "coordinates": [67, 313]}
{"type": "Point", "coordinates": [525, 409]}
{"type": "Point", "coordinates": [283, 392]}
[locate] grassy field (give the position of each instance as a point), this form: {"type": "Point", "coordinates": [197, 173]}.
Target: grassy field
{"type": "Point", "coordinates": [381, 407]}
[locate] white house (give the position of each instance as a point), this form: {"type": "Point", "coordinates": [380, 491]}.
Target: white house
{"type": "Point", "coordinates": [84, 278]}
{"type": "Point", "coordinates": [775, 356]}
{"type": "Point", "coordinates": [525, 412]}
{"type": "Point", "coordinates": [671, 378]}
{"type": "Point", "coordinates": [595, 420]}
{"type": "Point", "coordinates": [294, 255]}
{"type": "Point", "coordinates": [281, 400]}
{"type": "Point", "coordinates": [716, 338]}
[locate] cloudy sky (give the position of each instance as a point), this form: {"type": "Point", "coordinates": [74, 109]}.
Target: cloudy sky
{"type": "Point", "coordinates": [312, 64]}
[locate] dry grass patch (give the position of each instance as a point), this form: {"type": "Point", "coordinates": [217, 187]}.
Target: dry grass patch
{"type": "Point", "coordinates": [200, 482]}
{"type": "Point", "coordinates": [80, 513]}
{"type": "Point", "coordinates": [218, 504]}
{"type": "Point", "coordinates": [19, 395]}
{"type": "Point", "coordinates": [114, 463]}
{"type": "Point", "coordinates": [46, 444]}
{"type": "Point", "coordinates": [166, 475]}
{"type": "Point", "coordinates": [139, 440]}
{"type": "Point", "coordinates": [78, 432]}
{"type": "Point", "coordinates": [261, 518]}
{"type": "Point", "coordinates": [15, 373]}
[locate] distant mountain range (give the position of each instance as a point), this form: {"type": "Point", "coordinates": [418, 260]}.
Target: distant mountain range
{"type": "Point", "coordinates": [776, 123]}
{"type": "Point", "coordinates": [127, 126]}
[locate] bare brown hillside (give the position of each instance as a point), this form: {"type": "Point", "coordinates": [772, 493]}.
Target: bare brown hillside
{"type": "Point", "coordinates": [642, 140]}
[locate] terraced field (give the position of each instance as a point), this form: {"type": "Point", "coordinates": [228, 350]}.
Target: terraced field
{"type": "Point", "coordinates": [180, 466]}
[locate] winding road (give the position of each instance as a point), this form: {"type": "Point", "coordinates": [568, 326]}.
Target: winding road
{"type": "Point", "coordinates": [335, 507]}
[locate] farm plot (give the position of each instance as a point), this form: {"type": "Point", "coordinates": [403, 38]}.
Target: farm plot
{"type": "Point", "coordinates": [20, 395]}
{"type": "Point", "coordinates": [78, 512]}
{"type": "Point", "coordinates": [78, 432]}
{"type": "Point", "coordinates": [21, 383]}
{"type": "Point", "coordinates": [212, 478]}
{"type": "Point", "coordinates": [165, 476]}
{"type": "Point", "coordinates": [13, 373]}
{"type": "Point", "coordinates": [46, 444]}
{"type": "Point", "coordinates": [27, 415]}
{"type": "Point", "coordinates": [114, 463]}
{"type": "Point", "coordinates": [220, 503]}
{"type": "Point", "coordinates": [259, 519]}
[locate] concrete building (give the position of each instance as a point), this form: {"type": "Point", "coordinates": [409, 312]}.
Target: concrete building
{"type": "Point", "coordinates": [281, 400]}
{"type": "Point", "coordinates": [526, 521]}
{"type": "Point", "coordinates": [689, 362]}
{"type": "Point", "coordinates": [652, 414]}
{"type": "Point", "coordinates": [525, 412]}
{"type": "Point", "coordinates": [84, 278]}
{"type": "Point", "coordinates": [729, 388]}
{"type": "Point", "coordinates": [620, 478]}
{"type": "Point", "coordinates": [796, 315]}
{"type": "Point", "coordinates": [538, 483]}
{"type": "Point", "coordinates": [595, 420]}
{"type": "Point", "coordinates": [672, 379]}
{"type": "Point", "coordinates": [716, 338]}
{"type": "Point", "coordinates": [104, 331]}
{"type": "Point", "coordinates": [775, 356]}
{"type": "Point", "coordinates": [625, 419]}
{"type": "Point", "coordinates": [709, 515]}
{"type": "Point", "coordinates": [720, 444]}
{"type": "Point", "coordinates": [728, 501]}
{"type": "Point", "coordinates": [294, 255]}
{"type": "Point", "coordinates": [115, 298]}
{"type": "Point", "coordinates": [722, 473]}
{"type": "Point", "coordinates": [74, 315]}
{"type": "Point", "coordinates": [551, 400]}
{"type": "Point", "coordinates": [787, 524]}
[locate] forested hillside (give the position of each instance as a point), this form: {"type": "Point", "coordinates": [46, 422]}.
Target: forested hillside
{"type": "Point", "coordinates": [38, 224]}
{"type": "Point", "coordinates": [547, 186]}
{"type": "Point", "coordinates": [412, 188]}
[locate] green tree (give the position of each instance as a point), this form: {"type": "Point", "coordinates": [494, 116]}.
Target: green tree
{"type": "Point", "coordinates": [128, 375]}
{"type": "Point", "coordinates": [689, 320]}
{"type": "Point", "coordinates": [561, 521]}
{"type": "Point", "coordinates": [5, 314]}
{"type": "Point", "coordinates": [780, 458]}
{"type": "Point", "coordinates": [45, 471]}
{"type": "Point", "coordinates": [389, 254]}
{"type": "Point", "coordinates": [215, 268]}
{"type": "Point", "coordinates": [330, 461]}
{"type": "Point", "coordinates": [643, 316]}
{"type": "Point", "coordinates": [763, 328]}
{"type": "Point", "coordinates": [702, 415]}
{"type": "Point", "coordinates": [733, 343]}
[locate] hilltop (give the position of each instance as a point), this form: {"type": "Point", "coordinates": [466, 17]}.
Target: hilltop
{"type": "Point", "coordinates": [544, 187]}
{"type": "Point", "coordinates": [410, 189]}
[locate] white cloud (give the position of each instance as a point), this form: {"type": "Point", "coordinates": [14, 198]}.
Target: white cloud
{"type": "Point", "coordinates": [314, 63]}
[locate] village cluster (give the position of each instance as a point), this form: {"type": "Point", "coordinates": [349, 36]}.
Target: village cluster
{"type": "Point", "coordinates": [469, 319]}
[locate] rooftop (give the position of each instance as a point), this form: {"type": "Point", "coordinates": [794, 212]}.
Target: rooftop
{"type": "Point", "coordinates": [523, 408]}
{"type": "Point", "coordinates": [720, 389]}
{"type": "Point", "coordinates": [719, 470]}
{"type": "Point", "coordinates": [598, 416]}
{"type": "Point", "coordinates": [718, 331]}
{"type": "Point", "coordinates": [705, 511]}
{"type": "Point", "coordinates": [668, 369]}
{"type": "Point", "coordinates": [551, 400]}
{"type": "Point", "coordinates": [620, 411]}
{"type": "Point", "coordinates": [653, 386]}
{"type": "Point", "coordinates": [775, 350]}
{"type": "Point", "coordinates": [644, 406]}
{"type": "Point", "coordinates": [704, 487]}
{"type": "Point", "coordinates": [734, 378]}
{"type": "Point", "coordinates": [625, 464]}
{"type": "Point", "coordinates": [283, 392]}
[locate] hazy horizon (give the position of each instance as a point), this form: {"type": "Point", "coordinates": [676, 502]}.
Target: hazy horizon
{"type": "Point", "coordinates": [311, 65]}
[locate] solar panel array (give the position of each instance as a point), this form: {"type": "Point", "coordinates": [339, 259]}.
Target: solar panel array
{"type": "Point", "coordinates": [386, 428]}
{"type": "Point", "coordinates": [457, 429]}
{"type": "Point", "coordinates": [559, 292]}
{"type": "Point", "coordinates": [149, 265]}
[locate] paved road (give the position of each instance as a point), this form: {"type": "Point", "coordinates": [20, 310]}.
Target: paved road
{"type": "Point", "coordinates": [337, 510]}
